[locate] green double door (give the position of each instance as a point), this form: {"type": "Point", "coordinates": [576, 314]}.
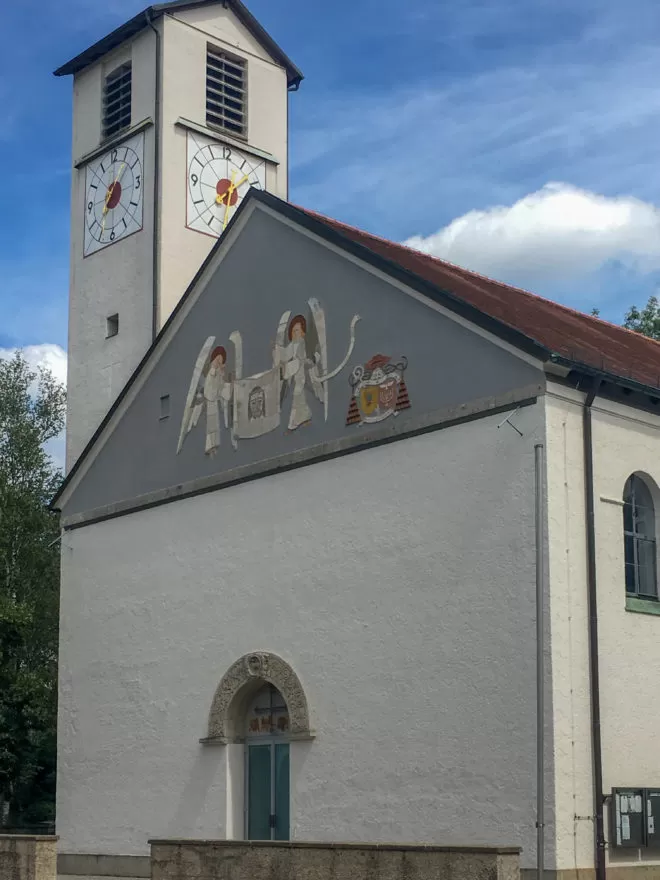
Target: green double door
{"type": "Point", "coordinates": [267, 791]}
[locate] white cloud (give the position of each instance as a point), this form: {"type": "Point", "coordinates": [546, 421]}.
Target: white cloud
{"type": "Point", "coordinates": [427, 151]}
{"type": "Point", "coordinates": [49, 356]}
{"type": "Point", "coordinates": [557, 233]}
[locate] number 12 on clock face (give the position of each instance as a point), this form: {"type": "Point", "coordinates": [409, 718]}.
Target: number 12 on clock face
{"type": "Point", "coordinates": [219, 178]}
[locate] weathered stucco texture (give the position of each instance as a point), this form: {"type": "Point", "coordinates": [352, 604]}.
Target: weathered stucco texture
{"type": "Point", "coordinates": [397, 582]}
{"type": "Point", "coordinates": [25, 857]}
{"type": "Point", "coordinates": [192, 860]}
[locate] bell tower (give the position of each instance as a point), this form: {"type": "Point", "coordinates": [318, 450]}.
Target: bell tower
{"type": "Point", "coordinates": [176, 114]}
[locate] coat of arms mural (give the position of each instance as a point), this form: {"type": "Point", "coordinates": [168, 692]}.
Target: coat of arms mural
{"type": "Point", "coordinates": [379, 390]}
{"type": "Point", "coordinates": [250, 406]}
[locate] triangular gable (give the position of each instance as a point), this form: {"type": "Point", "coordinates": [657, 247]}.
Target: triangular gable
{"type": "Point", "coordinates": [357, 376]}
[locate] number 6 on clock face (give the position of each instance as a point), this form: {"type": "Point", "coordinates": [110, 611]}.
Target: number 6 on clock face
{"type": "Point", "coordinates": [218, 179]}
{"type": "Point", "coordinates": [113, 195]}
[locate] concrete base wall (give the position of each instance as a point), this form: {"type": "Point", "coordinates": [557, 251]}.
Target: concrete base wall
{"type": "Point", "coordinates": [245, 860]}
{"type": "Point", "coordinates": [25, 857]}
{"type": "Point", "coordinates": [89, 865]}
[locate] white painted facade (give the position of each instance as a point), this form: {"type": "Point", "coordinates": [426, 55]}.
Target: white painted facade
{"type": "Point", "coordinates": [397, 582]}
{"type": "Point", "coordinates": [388, 611]}
{"type": "Point", "coordinates": [119, 279]}
{"type": "Point", "coordinates": [625, 441]}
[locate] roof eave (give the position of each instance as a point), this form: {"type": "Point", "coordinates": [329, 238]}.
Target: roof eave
{"type": "Point", "coordinates": [607, 376]}
{"type": "Point", "coordinates": [140, 21]}
{"type": "Point", "coordinates": [110, 41]}
{"type": "Point", "coordinates": [433, 291]}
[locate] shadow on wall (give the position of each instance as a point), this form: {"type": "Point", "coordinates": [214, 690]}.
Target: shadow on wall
{"type": "Point", "coordinates": [205, 777]}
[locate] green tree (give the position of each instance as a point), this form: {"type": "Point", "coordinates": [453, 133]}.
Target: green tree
{"type": "Point", "coordinates": [646, 321]}
{"type": "Point", "coordinates": [32, 408]}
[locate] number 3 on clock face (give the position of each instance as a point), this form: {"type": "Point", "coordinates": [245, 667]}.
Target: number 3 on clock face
{"type": "Point", "coordinates": [219, 177]}
{"type": "Point", "coordinates": [113, 195]}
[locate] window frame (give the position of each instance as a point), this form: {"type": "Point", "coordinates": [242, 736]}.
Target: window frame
{"type": "Point", "coordinates": [213, 49]}
{"type": "Point", "coordinates": [107, 131]}
{"type": "Point", "coordinates": [638, 539]}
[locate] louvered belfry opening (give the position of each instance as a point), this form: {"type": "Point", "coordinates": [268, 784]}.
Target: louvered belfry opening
{"type": "Point", "coordinates": [117, 100]}
{"type": "Point", "coordinates": [225, 91]}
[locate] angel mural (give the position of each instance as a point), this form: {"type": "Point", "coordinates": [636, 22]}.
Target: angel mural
{"type": "Point", "coordinates": [210, 389]}
{"type": "Point", "coordinates": [305, 357]}
{"type": "Point", "coordinates": [252, 405]}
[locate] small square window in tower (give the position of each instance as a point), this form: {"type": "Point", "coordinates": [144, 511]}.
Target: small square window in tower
{"type": "Point", "coordinates": [111, 326]}
{"type": "Point", "coordinates": [226, 92]}
{"type": "Point", "coordinates": [117, 100]}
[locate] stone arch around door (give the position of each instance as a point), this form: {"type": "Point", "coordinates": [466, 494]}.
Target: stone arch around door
{"type": "Point", "coordinates": [241, 682]}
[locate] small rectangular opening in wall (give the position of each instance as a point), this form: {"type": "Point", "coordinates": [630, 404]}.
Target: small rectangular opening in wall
{"type": "Point", "coordinates": [111, 326]}
{"type": "Point", "coordinates": [165, 406]}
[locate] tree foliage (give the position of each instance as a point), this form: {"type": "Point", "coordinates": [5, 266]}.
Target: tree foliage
{"type": "Point", "coordinates": [32, 408]}
{"type": "Point", "coordinates": [646, 321]}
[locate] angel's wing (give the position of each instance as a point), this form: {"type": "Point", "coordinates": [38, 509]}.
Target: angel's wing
{"type": "Point", "coordinates": [193, 409]}
{"type": "Point", "coordinates": [279, 343]}
{"type": "Point", "coordinates": [317, 351]}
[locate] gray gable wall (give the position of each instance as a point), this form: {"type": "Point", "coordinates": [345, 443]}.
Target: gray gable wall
{"type": "Point", "coordinates": [272, 268]}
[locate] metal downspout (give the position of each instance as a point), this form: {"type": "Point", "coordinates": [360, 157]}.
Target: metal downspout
{"type": "Point", "coordinates": [539, 469]}
{"type": "Point", "coordinates": [155, 268]}
{"type": "Point", "coordinates": [596, 744]}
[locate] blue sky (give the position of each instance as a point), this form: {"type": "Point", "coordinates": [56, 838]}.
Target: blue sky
{"type": "Point", "coordinates": [518, 137]}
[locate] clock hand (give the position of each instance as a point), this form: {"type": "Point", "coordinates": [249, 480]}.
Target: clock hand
{"type": "Point", "coordinates": [230, 192]}
{"type": "Point", "coordinates": [241, 181]}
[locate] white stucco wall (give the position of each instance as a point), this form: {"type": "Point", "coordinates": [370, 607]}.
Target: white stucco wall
{"type": "Point", "coordinates": [567, 561]}
{"type": "Point", "coordinates": [625, 440]}
{"type": "Point", "coordinates": [399, 584]}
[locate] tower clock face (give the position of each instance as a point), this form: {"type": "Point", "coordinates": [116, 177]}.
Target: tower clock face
{"type": "Point", "coordinates": [113, 195]}
{"type": "Point", "coordinates": [219, 177]}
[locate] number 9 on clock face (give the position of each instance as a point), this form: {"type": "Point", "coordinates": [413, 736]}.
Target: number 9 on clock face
{"type": "Point", "coordinates": [219, 178]}
{"type": "Point", "coordinates": [113, 195]}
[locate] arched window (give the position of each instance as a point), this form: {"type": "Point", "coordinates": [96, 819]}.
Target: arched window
{"type": "Point", "coordinates": [267, 766]}
{"type": "Point", "coordinates": [639, 538]}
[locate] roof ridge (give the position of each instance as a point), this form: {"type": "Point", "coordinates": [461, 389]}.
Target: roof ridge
{"type": "Point", "coordinates": [479, 275]}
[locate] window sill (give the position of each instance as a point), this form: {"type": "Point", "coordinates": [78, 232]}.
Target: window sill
{"type": "Point", "coordinates": [221, 135]}
{"type": "Point", "coordinates": [642, 606]}
{"type": "Point", "coordinates": [110, 142]}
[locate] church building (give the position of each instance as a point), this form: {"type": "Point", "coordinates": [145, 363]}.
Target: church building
{"type": "Point", "coordinates": [298, 522]}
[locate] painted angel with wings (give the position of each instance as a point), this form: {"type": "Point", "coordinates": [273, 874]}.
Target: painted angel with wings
{"type": "Point", "coordinates": [302, 353]}
{"type": "Point", "coordinates": [210, 389]}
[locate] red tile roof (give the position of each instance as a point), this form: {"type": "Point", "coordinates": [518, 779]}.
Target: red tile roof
{"type": "Point", "coordinates": [580, 338]}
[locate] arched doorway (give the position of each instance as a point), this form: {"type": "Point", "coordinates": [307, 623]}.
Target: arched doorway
{"type": "Point", "coordinates": [259, 712]}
